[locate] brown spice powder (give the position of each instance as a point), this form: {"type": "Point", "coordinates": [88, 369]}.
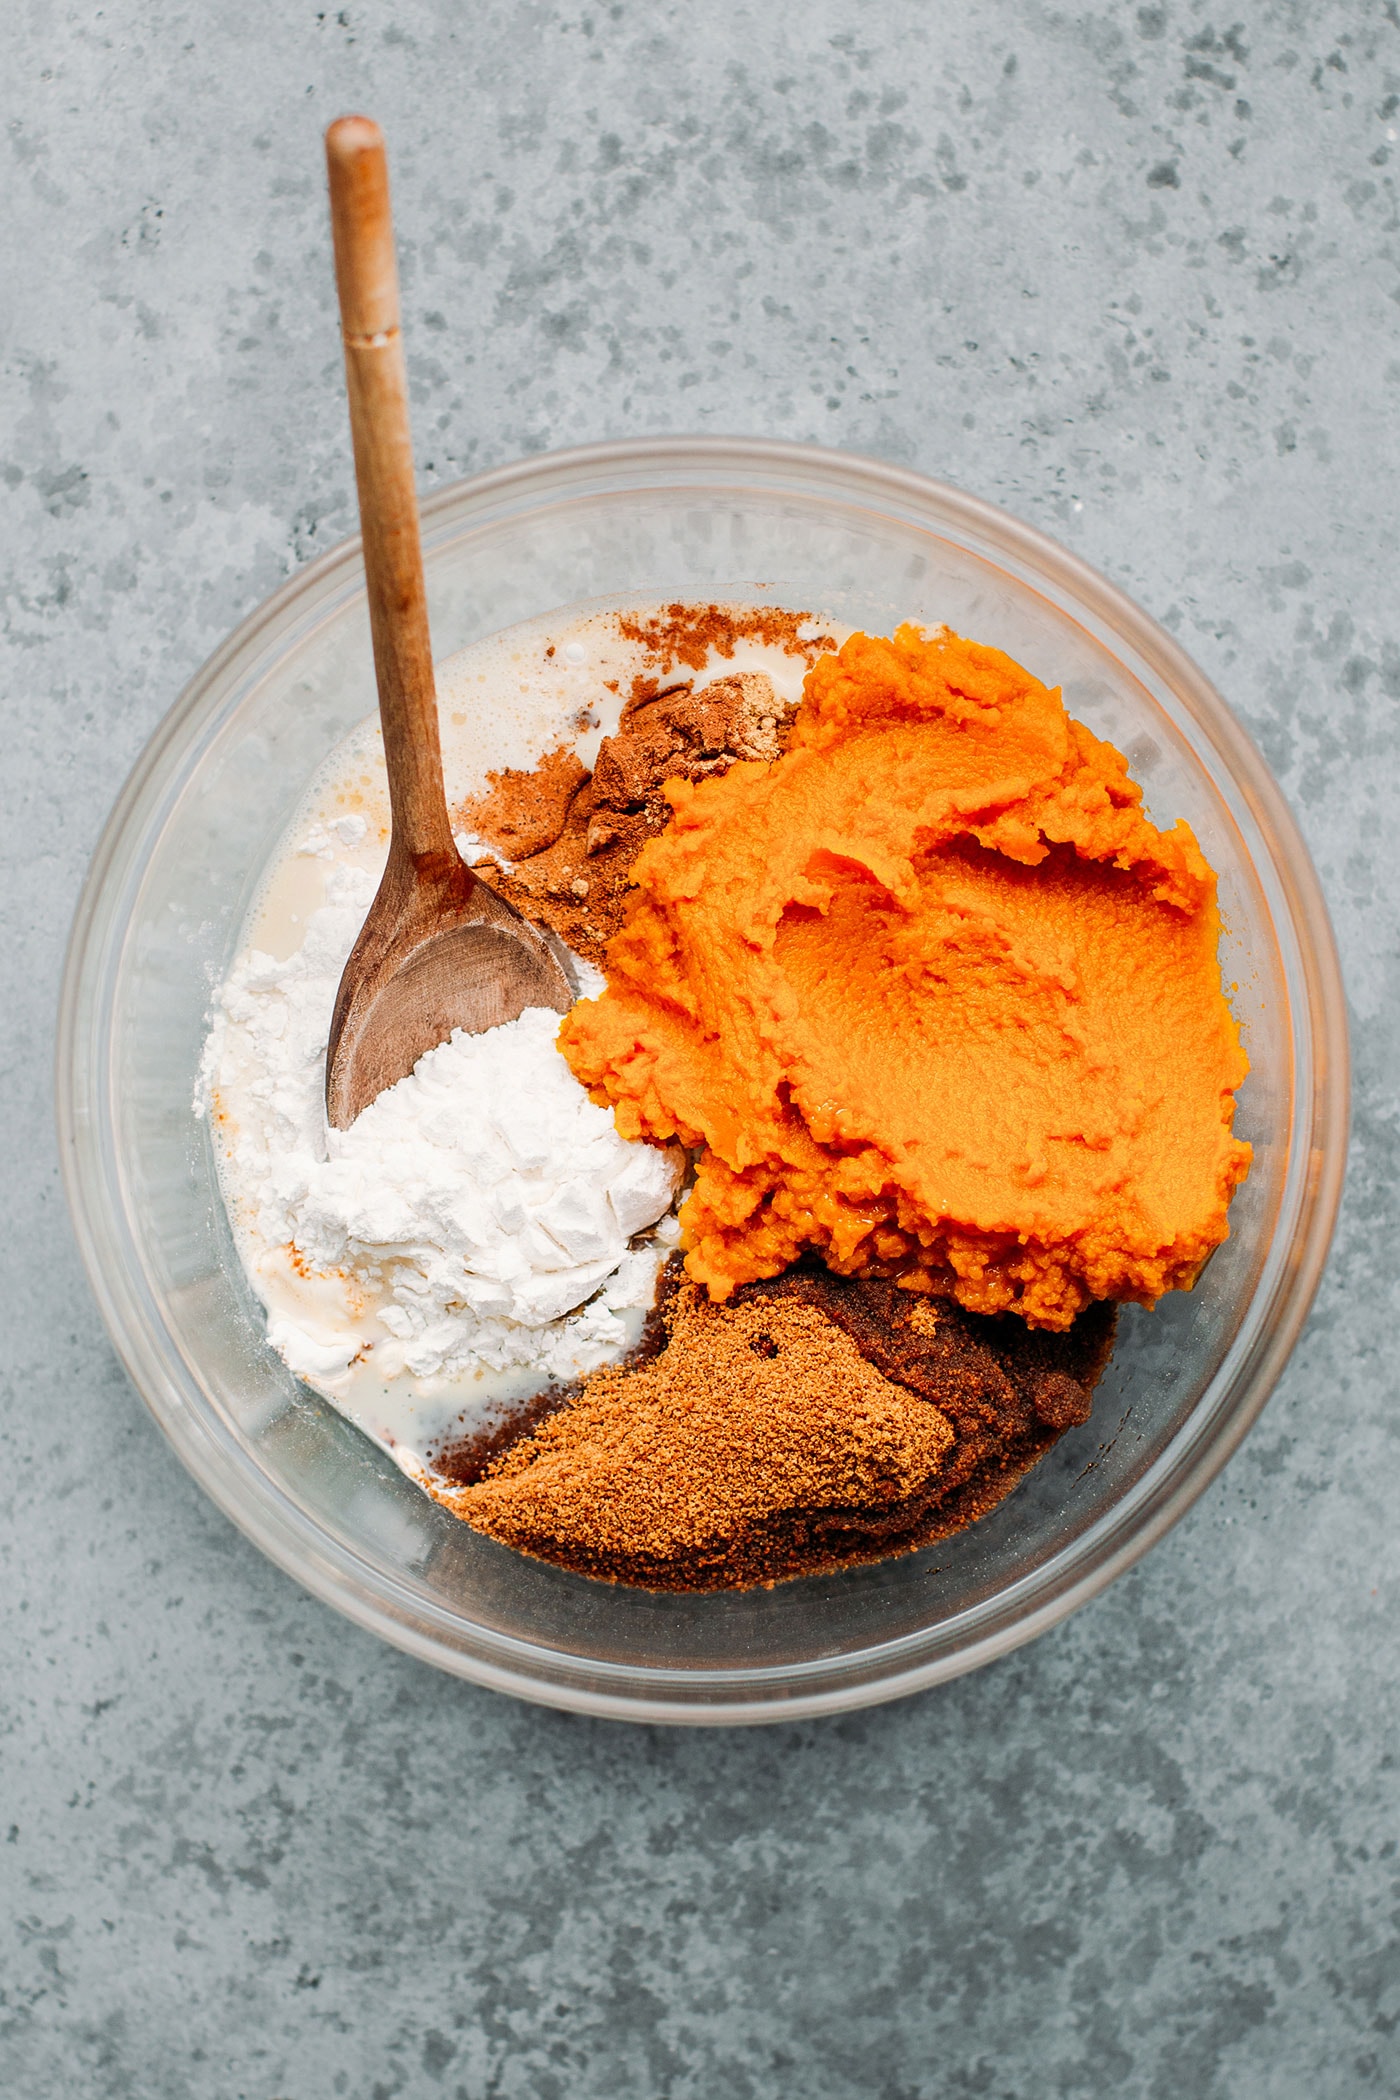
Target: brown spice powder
{"type": "Point", "coordinates": [524, 813]}
{"type": "Point", "coordinates": [573, 837]}
{"type": "Point", "coordinates": [686, 634]}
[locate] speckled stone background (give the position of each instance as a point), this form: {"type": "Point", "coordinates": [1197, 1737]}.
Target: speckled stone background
{"type": "Point", "coordinates": [1132, 272]}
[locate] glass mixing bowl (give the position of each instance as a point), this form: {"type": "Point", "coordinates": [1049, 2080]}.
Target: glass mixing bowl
{"type": "Point", "coordinates": [161, 913]}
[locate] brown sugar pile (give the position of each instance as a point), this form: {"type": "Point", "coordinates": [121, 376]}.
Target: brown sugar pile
{"type": "Point", "coordinates": [1009, 1391]}
{"type": "Point", "coordinates": [695, 1469]}
{"type": "Point", "coordinates": [812, 1423]}
{"type": "Point", "coordinates": [572, 836]}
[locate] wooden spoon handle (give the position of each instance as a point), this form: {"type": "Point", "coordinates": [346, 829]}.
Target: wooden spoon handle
{"type": "Point", "coordinates": [367, 281]}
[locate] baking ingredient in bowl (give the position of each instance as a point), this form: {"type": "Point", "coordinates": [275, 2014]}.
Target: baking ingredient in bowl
{"type": "Point", "coordinates": [933, 995]}
{"type": "Point", "coordinates": [811, 1423]}
{"type": "Point", "coordinates": [570, 836]}
{"type": "Point", "coordinates": [472, 1206]}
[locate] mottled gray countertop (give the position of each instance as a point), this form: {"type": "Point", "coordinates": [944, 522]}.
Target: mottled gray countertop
{"type": "Point", "coordinates": [1131, 271]}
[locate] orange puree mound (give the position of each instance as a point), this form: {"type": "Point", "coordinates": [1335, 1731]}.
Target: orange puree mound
{"type": "Point", "coordinates": [933, 995]}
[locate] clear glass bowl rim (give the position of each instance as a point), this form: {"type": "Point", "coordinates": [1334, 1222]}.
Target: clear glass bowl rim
{"type": "Point", "coordinates": [370, 1596]}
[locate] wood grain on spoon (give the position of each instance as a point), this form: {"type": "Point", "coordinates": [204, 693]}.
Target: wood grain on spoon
{"type": "Point", "coordinates": [439, 949]}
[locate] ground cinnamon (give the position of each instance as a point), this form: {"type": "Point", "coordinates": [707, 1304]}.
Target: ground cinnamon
{"type": "Point", "coordinates": [690, 634]}
{"type": "Point", "coordinates": [571, 837]}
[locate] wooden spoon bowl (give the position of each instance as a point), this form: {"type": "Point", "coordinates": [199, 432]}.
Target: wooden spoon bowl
{"type": "Point", "coordinates": [438, 951]}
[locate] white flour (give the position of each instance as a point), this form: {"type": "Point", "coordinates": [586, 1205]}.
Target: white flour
{"type": "Point", "coordinates": [468, 1210]}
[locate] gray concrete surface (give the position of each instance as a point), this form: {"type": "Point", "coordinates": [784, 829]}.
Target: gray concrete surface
{"type": "Point", "coordinates": [1132, 271]}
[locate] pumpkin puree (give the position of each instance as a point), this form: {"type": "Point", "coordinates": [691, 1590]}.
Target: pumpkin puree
{"type": "Point", "coordinates": [930, 995]}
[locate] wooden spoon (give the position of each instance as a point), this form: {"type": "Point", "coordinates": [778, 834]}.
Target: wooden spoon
{"type": "Point", "coordinates": [440, 949]}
